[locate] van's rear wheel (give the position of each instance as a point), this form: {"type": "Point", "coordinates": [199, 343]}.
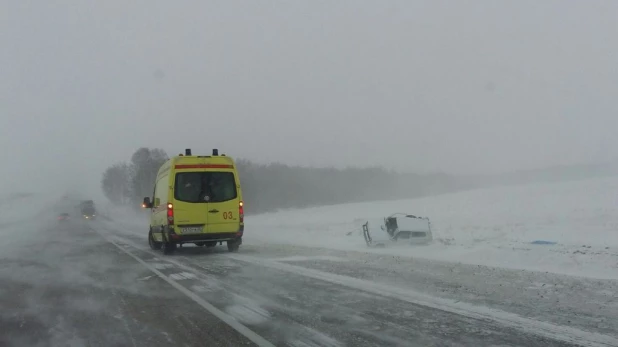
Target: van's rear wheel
{"type": "Point", "coordinates": [154, 245]}
{"type": "Point", "coordinates": [233, 245]}
{"type": "Point", "coordinates": [169, 247]}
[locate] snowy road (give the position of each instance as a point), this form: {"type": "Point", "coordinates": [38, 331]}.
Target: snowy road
{"type": "Point", "coordinates": [72, 288]}
{"type": "Point", "coordinates": [98, 284]}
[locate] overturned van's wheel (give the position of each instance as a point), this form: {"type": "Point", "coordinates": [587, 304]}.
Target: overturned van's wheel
{"type": "Point", "coordinates": [154, 245]}
{"type": "Point", "coordinates": [233, 245]}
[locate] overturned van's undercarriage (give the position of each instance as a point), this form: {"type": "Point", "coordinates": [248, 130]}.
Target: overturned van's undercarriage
{"type": "Point", "coordinates": [398, 227]}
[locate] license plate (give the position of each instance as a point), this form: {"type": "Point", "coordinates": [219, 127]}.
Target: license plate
{"type": "Point", "coordinates": [195, 230]}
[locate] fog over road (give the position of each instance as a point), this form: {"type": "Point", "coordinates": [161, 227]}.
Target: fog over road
{"type": "Point", "coordinates": [96, 283]}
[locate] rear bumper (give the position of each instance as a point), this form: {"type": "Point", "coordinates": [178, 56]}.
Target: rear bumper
{"type": "Point", "coordinates": [205, 237]}
{"type": "Point", "coordinates": [212, 237]}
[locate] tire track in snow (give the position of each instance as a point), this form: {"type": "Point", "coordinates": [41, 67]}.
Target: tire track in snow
{"type": "Point", "coordinates": [122, 317]}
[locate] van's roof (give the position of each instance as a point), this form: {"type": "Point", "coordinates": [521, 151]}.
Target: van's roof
{"type": "Point", "coordinates": [201, 162]}
{"type": "Point", "coordinates": [196, 163]}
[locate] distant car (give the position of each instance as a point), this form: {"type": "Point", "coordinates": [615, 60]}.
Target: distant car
{"type": "Point", "coordinates": [63, 217]}
{"type": "Point", "coordinates": [88, 212]}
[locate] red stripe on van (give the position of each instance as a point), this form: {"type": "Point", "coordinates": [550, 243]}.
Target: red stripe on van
{"type": "Point", "coordinates": [205, 166]}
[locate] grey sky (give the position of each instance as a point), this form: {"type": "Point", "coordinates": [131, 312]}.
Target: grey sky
{"type": "Point", "coordinates": [456, 86]}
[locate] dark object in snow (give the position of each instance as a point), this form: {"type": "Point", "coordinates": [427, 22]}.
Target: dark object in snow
{"type": "Point", "coordinates": [401, 226]}
{"type": "Point", "coordinates": [542, 242]}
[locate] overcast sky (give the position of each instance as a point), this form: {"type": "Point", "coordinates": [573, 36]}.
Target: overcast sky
{"type": "Point", "coordinates": [454, 86]}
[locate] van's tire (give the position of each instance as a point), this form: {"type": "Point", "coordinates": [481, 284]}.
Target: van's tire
{"type": "Point", "coordinates": [154, 245]}
{"type": "Point", "coordinates": [233, 245]}
{"type": "Point", "coordinates": [169, 247]}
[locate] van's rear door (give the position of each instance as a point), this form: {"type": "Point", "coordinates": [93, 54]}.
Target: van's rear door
{"type": "Point", "coordinates": [190, 202]}
{"type": "Point", "coordinates": [223, 202]}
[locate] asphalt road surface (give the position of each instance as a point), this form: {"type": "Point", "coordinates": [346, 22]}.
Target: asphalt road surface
{"type": "Point", "coordinates": [95, 283]}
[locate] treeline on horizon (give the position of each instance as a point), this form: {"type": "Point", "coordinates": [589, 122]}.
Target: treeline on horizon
{"type": "Point", "coordinates": [269, 187]}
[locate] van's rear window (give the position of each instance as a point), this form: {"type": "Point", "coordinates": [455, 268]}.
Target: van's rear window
{"type": "Point", "coordinates": [205, 187]}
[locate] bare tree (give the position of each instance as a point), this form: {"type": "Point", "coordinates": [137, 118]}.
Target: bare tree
{"type": "Point", "coordinates": [145, 164]}
{"type": "Point", "coordinates": [272, 186]}
{"type": "Point", "coordinates": [115, 183]}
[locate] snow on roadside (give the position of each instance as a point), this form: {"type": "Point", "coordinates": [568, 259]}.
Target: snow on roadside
{"type": "Point", "coordinates": [130, 221]}
{"type": "Point", "coordinates": [19, 208]}
{"type": "Point", "coordinates": [493, 227]}
{"type": "Point", "coordinates": [22, 218]}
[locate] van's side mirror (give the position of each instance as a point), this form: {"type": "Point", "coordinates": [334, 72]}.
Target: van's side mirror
{"type": "Point", "coordinates": [147, 203]}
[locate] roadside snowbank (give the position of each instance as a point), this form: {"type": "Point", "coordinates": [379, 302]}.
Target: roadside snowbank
{"type": "Point", "coordinates": [134, 221]}
{"type": "Point", "coordinates": [494, 227]}
{"type": "Point", "coordinates": [20, 208]}
{"type": "Point", "coordinates": [23, 219]}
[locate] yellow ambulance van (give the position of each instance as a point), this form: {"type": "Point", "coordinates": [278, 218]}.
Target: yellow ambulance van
{"type": "Point", "coordinates": [196, 199]}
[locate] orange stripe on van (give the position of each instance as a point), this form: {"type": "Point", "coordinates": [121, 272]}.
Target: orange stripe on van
{"type": "Point", "coordinates": [204, 166]}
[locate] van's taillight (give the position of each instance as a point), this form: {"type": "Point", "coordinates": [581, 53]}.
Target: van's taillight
{"type": "Point", "coordinates": [241, 211]}
{"type": "Point", "coordinates": [170, 214]}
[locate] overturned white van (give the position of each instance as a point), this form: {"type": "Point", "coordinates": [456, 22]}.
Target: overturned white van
{"type": "Point", "coordinates": [398, 227]}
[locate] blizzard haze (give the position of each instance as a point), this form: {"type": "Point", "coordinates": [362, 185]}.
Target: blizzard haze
{"type": "Point", "coordinates": [423, 86]}
{"type": "Point", "coordinates": [487, 129]}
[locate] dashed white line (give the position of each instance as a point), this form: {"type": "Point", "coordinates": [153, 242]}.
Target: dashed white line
{"type": "Point", "coordinates": [183, 276]}
{"type": "Point", "coordinates": [161, 266]}
{"type": "Point", "coordinates": [229, 320]}
{"type": "Point", "coordinates": [535, 327]}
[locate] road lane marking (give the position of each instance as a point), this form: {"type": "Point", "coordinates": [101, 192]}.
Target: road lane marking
{"type": "Point", "coordinates": [229, 320]}
{"type": "Point", "coordinates": [183, 276]}
{"type": "Point", "coordinates": [162, 266]}
{"type": "Point", "coordinates": [535, 327]}
{"type": "Point", "coordinates": [508, 319]}
{"type": "Point", "coordinates": [309, 258]}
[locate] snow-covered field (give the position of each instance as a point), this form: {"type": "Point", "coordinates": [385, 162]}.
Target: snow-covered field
{"type": "Point", "coordinates": [493, 227]}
